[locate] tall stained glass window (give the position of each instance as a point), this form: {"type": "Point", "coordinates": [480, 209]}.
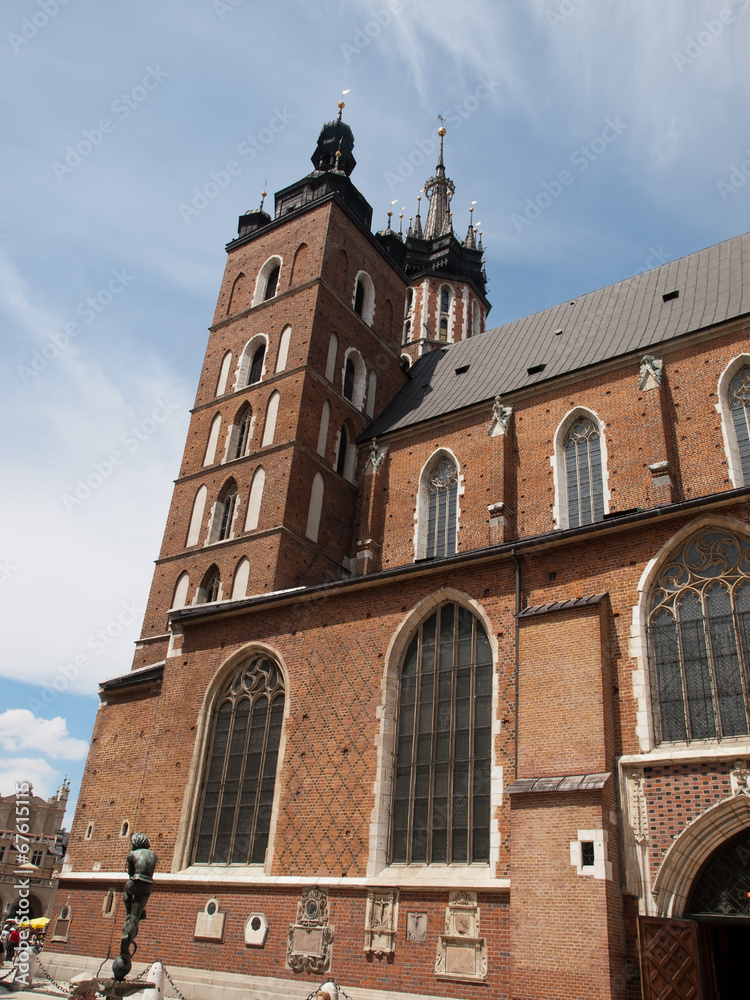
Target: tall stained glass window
{"type": "Point", "coordinates": [699, 630]}
{"type": "Point", "coordinates": [234, 818]}
{"type": "Point", "coordinates": [441, 803]}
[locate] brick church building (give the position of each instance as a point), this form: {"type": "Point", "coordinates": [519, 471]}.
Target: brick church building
{"type": "Point", "coordinates": [444, 683]}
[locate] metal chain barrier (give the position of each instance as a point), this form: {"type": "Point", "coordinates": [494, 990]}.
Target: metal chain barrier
{"type": "Point", "coordinates": [48, 976]}
{"type": "Point", "coordinates": [171, 981]}
{"type": "Point", "coordinates": [339, 990]}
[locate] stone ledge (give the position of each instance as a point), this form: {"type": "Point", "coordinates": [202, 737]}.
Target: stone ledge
{"type": "Point", "coordinates": [204, 984]}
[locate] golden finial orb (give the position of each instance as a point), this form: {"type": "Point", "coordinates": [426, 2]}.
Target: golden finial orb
{"type": "Point", "coordinates": [341, 105]}
{"type": "Point", "coordinates": [441, 131]}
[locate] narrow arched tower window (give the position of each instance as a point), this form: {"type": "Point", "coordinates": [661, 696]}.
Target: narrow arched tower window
{"type": "Point", "coordinates": [256, 366]}
{"type": "Point", "coordinates": [234, 818]}
{"type": "Point", "coordinates": [349, 374]}
{"type": "Point", "coordinates": [243, 434]}
{"type": "Point", "coordinates": [583, 473]}
{"type": "Point", "coordinates": [441, 799]}
{"type": "Point", "coordinates": [227, 513]}
{"type": "Point", "coordinates": [341, 457]}
{"type": "Point", "coordinates": [359, 297]}
{"type": "Point", "coordinates": [739, 400]}
{"type": "Point", "coordinates": [271, 284]}
{"type": "Point", "coordinates": [210, 588]}
{"type": "Point", "coordinates": [442, 510]}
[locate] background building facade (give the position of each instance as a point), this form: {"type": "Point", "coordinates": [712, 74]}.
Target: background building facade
{"type": "Point", "coordinates": [443, 684]}
{"type": "Point", "coordinates": [40, 825]}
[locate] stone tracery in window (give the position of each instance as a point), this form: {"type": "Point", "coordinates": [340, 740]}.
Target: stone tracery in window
{"type": "Point", "coordinates": [441, 803]}
{"type": "Point", "coordinates": [739, 402]}
{"type": "Point", "coordinates": [234, 818]}
{"type": "Point", "coordinates": [583, 473]}
{"type": "Point", "coordinates": [699, 630]}
{"type": "Point", "coordinates": [442, 510]}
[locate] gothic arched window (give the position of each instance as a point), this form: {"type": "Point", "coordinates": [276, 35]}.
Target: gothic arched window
{"type": "Point", "coordinates": [441, 799]}
{"type": "Point", "coordinates": [359, 297]}
{"type": "Point", "coordinates": [583, 473]}
{"type": "Point", "coordinates": [223, 520]}
{"type": "Point", "coordinates": [240, 436]}
{"type": "Point", "coordinates": [342, 452]}
{"type": "Point", "coordinates": [256, 366]}
{"type": "Point", "coordinates": [210, 588]}
{"type": "Point", "coordinates": [349, 373]}
{"type": "Point", "coordinates": [444, 319]}
{"type": "Point", "coordinates": [442, 510]}
{"type": "Point", "coordinates": [271, 284]}
{"type": "Point", "coordinates": [699, 631]}
{"type": "Point", "coordinates": [739, 401]}
{"type": "Point", "coordinates": [234, 818]}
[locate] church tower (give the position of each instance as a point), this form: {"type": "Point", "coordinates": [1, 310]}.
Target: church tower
{"type": "Point", "coordinates": [446, 300]}
{"type": "Point", "coordinates": [303, 351]}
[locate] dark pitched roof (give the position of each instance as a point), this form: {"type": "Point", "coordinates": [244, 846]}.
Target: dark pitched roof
{"type": "Point", "coordinates": [713, 285]}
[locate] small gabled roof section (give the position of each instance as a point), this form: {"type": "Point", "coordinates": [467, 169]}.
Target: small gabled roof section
{"type": "Point", "coordinates": [576, 602]}
{"type": "Point", "coordinates": [637, 314]}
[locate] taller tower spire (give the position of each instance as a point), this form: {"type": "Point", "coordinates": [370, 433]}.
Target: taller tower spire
{"type": "Point", "coordinates": [439, 190]}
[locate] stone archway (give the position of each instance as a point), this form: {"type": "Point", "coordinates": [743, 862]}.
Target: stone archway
{"type": "Point", "coordinates": [698, 944]}
{"type": "Point", "coordinates": [687, 855]}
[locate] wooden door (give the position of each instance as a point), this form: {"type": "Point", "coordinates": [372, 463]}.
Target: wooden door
{"type": "Point", "coordinates": [670, 964]}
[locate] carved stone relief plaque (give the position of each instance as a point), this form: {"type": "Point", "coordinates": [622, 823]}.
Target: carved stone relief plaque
{"type": "Point", "coordinates": [310, 937]}
{"type": "Point", "coordinates": [461, 953]}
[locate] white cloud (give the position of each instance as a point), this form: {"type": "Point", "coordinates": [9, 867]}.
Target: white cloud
{"type": "Point", "coordinates": [35, 770]}
{"type": "Point", "coordinates": [75, 514]}
{"type": "Point", "coordinates": [20, 729]}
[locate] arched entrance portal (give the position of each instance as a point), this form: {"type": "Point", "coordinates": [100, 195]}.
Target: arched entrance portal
{"type": "Point", "coordinates": [719, 902]}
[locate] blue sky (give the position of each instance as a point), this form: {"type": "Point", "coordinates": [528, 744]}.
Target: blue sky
{"type": "Point", "coordinates": [598, 138]}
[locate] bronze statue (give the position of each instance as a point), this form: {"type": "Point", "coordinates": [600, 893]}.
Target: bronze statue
{"type": "Point", "coordinates": [141, 864]}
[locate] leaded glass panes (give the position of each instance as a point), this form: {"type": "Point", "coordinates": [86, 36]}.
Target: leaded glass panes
{"type": "Point", "coordinates": [441, 804]}
{"type": "Point", "coordinates": [583, 474]}
{"type": "Point", "coordinates": [699, 627]}
{"type": "Point", "coordinates": [442, 510]}
{"type": "Point", "coordinates": [227, 513]}
{"type": "Point", "coordinates": [240, 773]}
{"type": "Point", "coordinates": [739, 401]}
{"type": "Point", "coordinates": [243, 431]}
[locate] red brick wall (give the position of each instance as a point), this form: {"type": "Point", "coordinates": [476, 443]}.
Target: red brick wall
{"type": "Point", "coordinates": [168, 933]}
{"type": "Point", "coordinates": [560, 920]}
{"type": "Point", "coordinates": [562, 695]}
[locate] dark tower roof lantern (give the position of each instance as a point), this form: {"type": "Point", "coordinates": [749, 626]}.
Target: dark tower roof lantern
{"type": "Point", "coordinates": [335, 145]}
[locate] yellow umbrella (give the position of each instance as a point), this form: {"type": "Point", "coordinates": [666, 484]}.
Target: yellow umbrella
{"type": "Point", "coordinates": [38, 923]}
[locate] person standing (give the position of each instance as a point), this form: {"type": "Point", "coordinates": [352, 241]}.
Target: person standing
{"type": "Point", "coordinates": [14, 939]}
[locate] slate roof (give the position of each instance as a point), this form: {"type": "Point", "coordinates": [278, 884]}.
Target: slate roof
{"type": "Point", "coordinates": [714, 286]}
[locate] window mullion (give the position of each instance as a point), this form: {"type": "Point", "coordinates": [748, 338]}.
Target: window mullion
{"type": "Point", "coordinates": [715, 700]}
{"type": "Point", "coordinates": [683, 669]}
{"type": "Point", "coordinates": [472, 721]}
{"type": "Point", "coordinates": [261, 771]}
{"type": "Point", "coordinates": [452, 741]}
{"type": "Point", "coordinates": [240, 782]}
{"type": "Point", "coordinates": [220, 800]}
{"type": "Point", "coordinates": [741, 657]}
{"type": "Point", "coordinates": [414, 744]}
{"type": "Point", "coordinates": [433, 737]}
